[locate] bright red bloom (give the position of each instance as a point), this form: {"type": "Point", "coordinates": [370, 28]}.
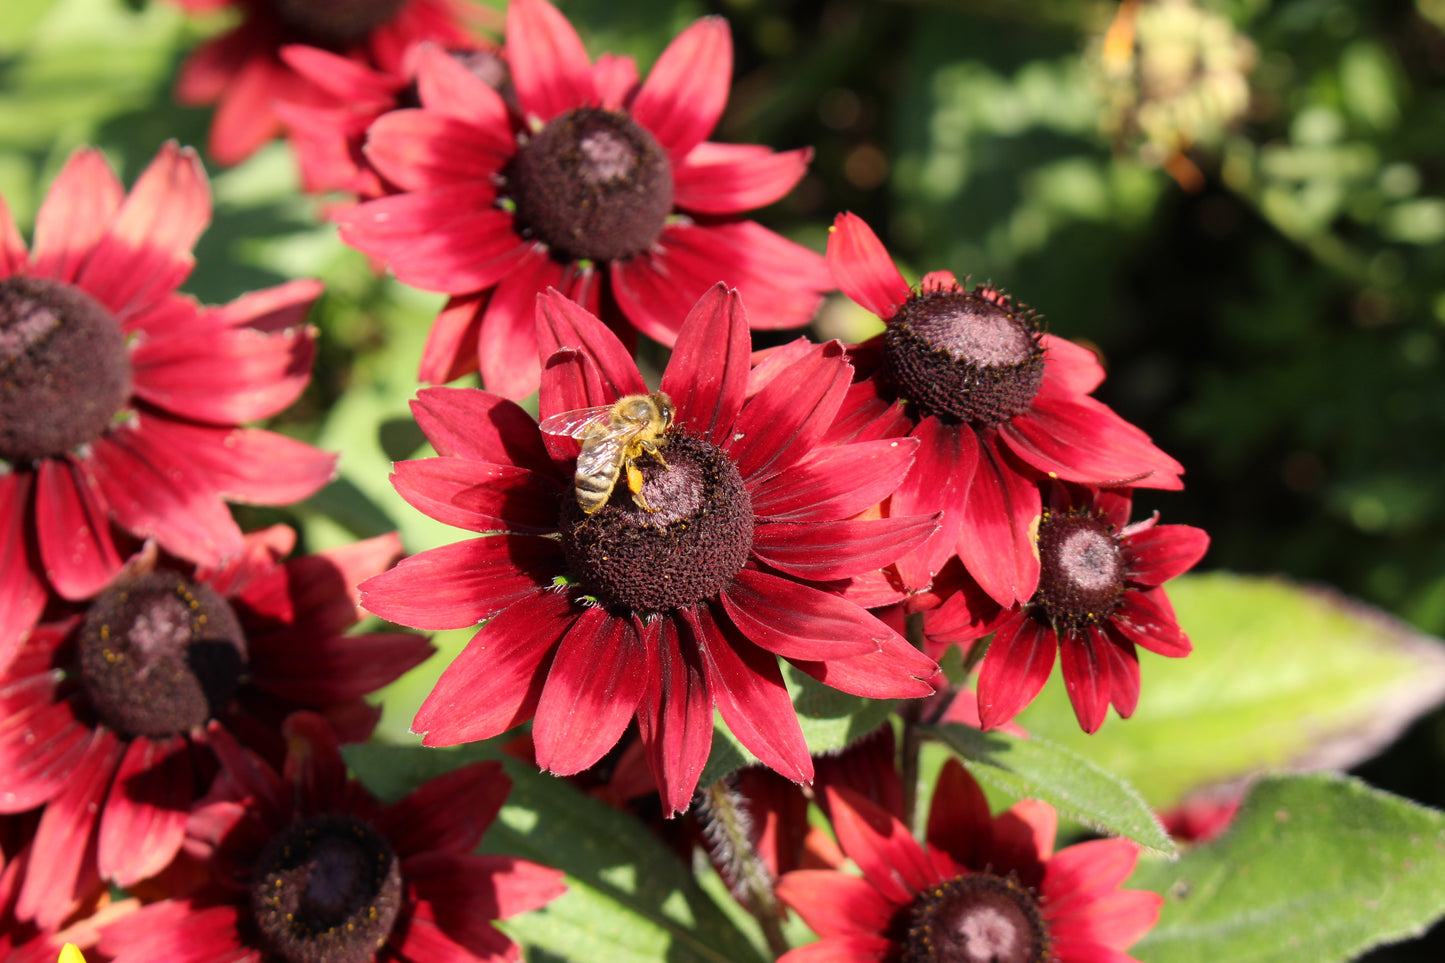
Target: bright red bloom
{"type": "Point", "coordinates": [605, 190]}
{"type": "Point", "coordinates": [121, 398]}
{"type": "Point", "coordinates": [1099, 596]}
{"type": "Point", "coordinates": [243, 71]}
{"type": "Point", "coordinates": [103, 715]}
{"type": "Point", "coordinates": [658, 614]}
{"type": "Point", "coordinates": [997, 405]}
{"type": "Point", "coordinates": [980, 887]}
{"type": "Point", "coordinates": [309, 865]}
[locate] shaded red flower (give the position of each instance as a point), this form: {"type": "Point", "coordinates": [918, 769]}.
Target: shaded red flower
{"type": "Point", "coordinates": [1099, 596]}
{"type": "Point", "coordinates": [243, 73]}
{"type": "Point", "coordinates": [308, 865]}
{"type": "Point", "coordinates": [658, 614]}
{"type": "Point", "coordinates": [103, 715]}
{"type": "Point", "coordinates": [997, 405]}
{"type": "Point", "coordinates": [120, 399]}
{"type": "Point", "coordinates": [979, 888]}
{"type": "Point", "coordinates": [606, 191]}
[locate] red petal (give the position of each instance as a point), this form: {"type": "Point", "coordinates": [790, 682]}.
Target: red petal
{"type": "Point", "coordinates": [835, 482]}
{"type": "Point", "coordinates": [1001, 517]}
{"type": "Point", "coordinates": [248, 465]}
{"type": "Point", "coordinates": [797, 621]}
{"type": "Point", "coordinates": [1079, 874]}
{"type": "Point", "coordinates": [824, 551]}
{"type": "Point", "coordinates": [1086, 677]}
{"type": "Point", "coordinates": [42, 744]}
{"type": "Point", "coordinates": [708, 372]}
{"type": "Point", "coordinates": [959, 821]}
{"type": "Point", "coordinates": [890, 858]}
{"type": "Point", "coordinates": [144, 820]}
{"type": "Point", "coordinates": [614, 77]}
{"type": "Point", "coordinates": [477, 496]}
{"type": "Point", "coordinates": [451, 893]}
{"type": "Point", "coordinates": [429, 820]}
{"type": "Point", "coordinates": [835, 904]}
{"type": "Point", "coordinates": [344, 79]}
{"type": "Point", "coordinates": [507, 351]}
{"type": "Point", "coordinates": [147, 250]}
{"type": "Point", "coordinates": [843, 949]}
{"type": "Point", "coordinates": [869, 410]}
{"type": "Point", "coordinates": [687, 88]}
{"type": "Point", "coordinates": [1073, 367]}
{"type": "Point", "coordinates": [1147, 619]}
{"type": "Point", "coordinates": [592, 691]}
{"type": "Point", "coordinates": [75, 539]}
{"type": "Point", "coordinates": [272, 309]}
{"type": "Point", "coordinates": [22, 591]}
{"type": "Point", "coordinates": [496, 681]}
{"type": "Point", "coordinates": [486, 886]}
{"type": "Point", "coordinates": [320, 590]}
{"type": "Point", "coordinates": [244, 121]}
{"type": "Point", "coordinates": [1082, 440]}
{"type": "Point", "coordinates": [1015, 668]}
{"type": "Point", "coordinates": [940, 480]}
{"type": "Point", "coordinates": [782, 283]}
{"type": "Point", "coordinates": [562, 323]}
{"type": "Point", "coordinates": [451, 345]}
{"type": "Point", "coordinates": [13, 256]}
{"type": "Point", "coordinates": [550, 68]}
{"type": "Point", "coordinates": [451, 90]}
{"type": "Point", "coordinates": [224, 376]}
{"type": "Point", "coordinates": [896, 670]}
{"type": "Point", "coordinates": [417, 937]}
{"type": "Point", "coordinates": [1123, 671]}
{"type": "Point", "coordinates": [728, 178]}
{"type": "Point", "coordinates": [862, 268]}
{"type": "Point", "coordinates": [1164, 552]}
{"type": "Point", "coordinates": [1022, 839]}
{"type": "Point", "coordinates": [674, 718]}
{"type": "Point", "coordinates": [178, 931]}
{"type": "Point", "coordinates": [784, 421]}
{"type": "Point", "coordinates": [461, 584]}
{"type": "Point", "coordinates": [748, 689]}
{"type": "Point", "coordinates": [468, 423]}
{"type": "Point", "coordinates": [418, 150]}
{"type": "Point", "coordinates": [317, 670]}
{"type": "Point", "coordinates": [75, 214]}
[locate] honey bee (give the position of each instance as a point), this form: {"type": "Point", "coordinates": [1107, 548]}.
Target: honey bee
{"type": "Point", "coordinates": [613, 437]}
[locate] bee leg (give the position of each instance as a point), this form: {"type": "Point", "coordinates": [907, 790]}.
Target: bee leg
{"type": "Point", "coordinates": [634, 484]}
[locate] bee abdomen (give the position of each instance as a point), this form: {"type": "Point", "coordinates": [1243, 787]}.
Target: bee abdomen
{"type": "Point", "coordinates": [594, 490]}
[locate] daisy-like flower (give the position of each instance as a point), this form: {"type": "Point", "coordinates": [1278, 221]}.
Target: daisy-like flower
{"type": "Point", "coordinates": [120, 399]}
{"type": "Point", "coordinates": [997, 405]}
{"type": "Point", "coordinates": [309, 866]}
{"type": "Point", "coordinates": [981, 888]}
{"type": "Point", "coordinates": [103, 716]}
{"type": "Point", "coordinates": [606, 191]}
{"type": "Point", "coordinates": [242, 70]}
{"type": "Point", "coordinates": [1100, 594]}
{"type": "Point", "coordinates": [655, 613]}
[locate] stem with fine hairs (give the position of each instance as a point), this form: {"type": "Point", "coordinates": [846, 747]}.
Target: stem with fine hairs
{"type": "Point", "coordinates": [727, 827]}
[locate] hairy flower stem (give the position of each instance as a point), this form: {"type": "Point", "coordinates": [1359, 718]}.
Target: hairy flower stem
{"type": "Point", "coordinates": [726, 826]}
{"type": "Point", "coordinates": [912, 741]}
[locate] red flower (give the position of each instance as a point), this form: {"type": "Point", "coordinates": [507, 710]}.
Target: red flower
{"type": "Point", "coordinates": [656, 613]}
{"type": "Point", "coordinates": [103, 715]}
{"type": "Point", "coordinates": [997, 405]}
{"type": "Point", "coordinates": [121, 399]}
{"type": "Point", "coordinates": [1099, 595]}
{"type": "Point", "coordinates": [243, 70]}
{"type": "Point", "coordinates": [979, 888]}
{"type": "Point", "coordinates": [607, 191]}
{"type": "Point", "coordinates": [309, 866]}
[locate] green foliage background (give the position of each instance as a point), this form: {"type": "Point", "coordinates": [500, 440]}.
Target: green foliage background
{"type": "Point", "coordinates": [1278, 329]}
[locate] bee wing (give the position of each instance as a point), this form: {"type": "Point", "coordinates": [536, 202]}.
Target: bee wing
{"type": "Point", "coordinates": [602, 454]}
{"type": "Point", "coordinates": [576, 423]}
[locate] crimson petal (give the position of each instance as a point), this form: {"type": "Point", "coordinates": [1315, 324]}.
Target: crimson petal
{"type": "Point", "coordinates": [461, 584]}
{"type": "Point", "coordinates": [708, 371]}
{"type": "Point", "coordinates": [477, 496]}
{"type": "Point", "coordinates": [507, 353]}
{"type": "Point", "coordinates": [563, 324]}
{"type": "Point", "coordinates": [799, 622]}
{"type": "Point", "coordinates": [224, 376]}
{"type": "Point", "coordinates": [728, 178]}
{"type": "Point", "coordinates": [1001, 517]}
{"type": "Point", "coordinates": [451, 344]}
{"type": "Point", "coordinates": [82, 199]}
{"type": "Point", "coordinates": [940, 480]}
{"type": "Point", "coordinates": [449, 88]}
{"type": "Point", "coordinates": [22, 591]}
{"type": "Point", "coordinates": [467, 423]}
{"type": "Point", "coordinates": [1071, 367]}
{"type": "Point", "coordinates": [824, 551]}
{"type": "Point", "coordinates": [178, 932]}
{"type": "Point", "coordinates": [1147, 619]}
{"type": "Point", "coordinates": [862, 268]}
{"type": "Point", "coordinates": [428, 819]}
{"type": "Point", "coordinates": [838, 481]}
{"type": "Point", "coordinates": [144, 820]}
{"type": "Point", "coordinates": [687, 88]}
{"type": "Point", "coordinates": [418, 150]}
{"type": "Point", "coordinates": [550, 68]}
{"type": "Point", "coordinates": [833, 904]}
{"type": "Point", "coordinates": [790, 415]}
{"type": "Point", "coordinates": [1086, 677]}
{"type": "Point", "coordinates": [248, 465]}
{"type": "Point", "coordinates": [592, 690]}
{"type": "Point", "coordinates": [270, 309]}
{"type": "Point", "coordinates": [674, 718]}
{"type": "Point", "coordinates": [13, 256]}
{"type": "Point", "coordinates": [1080, 439]}
{"type": "Point", "coordinates": [1015, 668]}
{"type": "Point", "coordinates": [42, 744]}
{"type": "Point", "coordinates": [890, 858]}
{"type": "Point", "coordinates": [1164, 552]}
{"type": "Point", "coordinates": [319, 670]}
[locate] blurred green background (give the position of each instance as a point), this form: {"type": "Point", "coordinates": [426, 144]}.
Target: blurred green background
{"type": "Point", "coordinates": [1240, 203]}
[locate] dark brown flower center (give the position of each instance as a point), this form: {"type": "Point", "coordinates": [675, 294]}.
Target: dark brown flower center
{"type": "Point", "coordinates": [1081, 570]}
{"type": "Point", "coordinates": [326, 890]}
{"type": "Point", "coordinates": [64, 368]}
{"type": "Point", "coordinates": [686, 549]}
{"type": "Point", "coordinates": [593, 185]}
{"type": "Point", "coordinates": [488, 66]}
{"type": "Point", "coordinates": [964, 356]}
{"type": "Point", "coordinates": [160, 655]}
{"type": "Point", "coordinates": [336, 24]}
{"type": "Point", "coordinates": [976, 918]}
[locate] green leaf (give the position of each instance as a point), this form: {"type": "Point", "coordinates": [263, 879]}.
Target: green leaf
{"type": "Point", "coordinates": [1314, 868]}
{"type": "Point", "coordinates": [629, 898]}
{"type": "Point", "coordinates": [1039, 769]}
{"type": "Point", "coordinates": [1280, 675]}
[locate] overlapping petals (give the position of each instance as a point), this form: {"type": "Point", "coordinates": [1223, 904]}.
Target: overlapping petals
{"type": "Point", "coordinates": [585, 670]}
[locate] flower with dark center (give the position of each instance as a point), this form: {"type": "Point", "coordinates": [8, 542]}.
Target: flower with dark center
{"type": "Point", "coordinates": [1100, 594]}
{"type": "Point", "coordinates": [657, 613]}
{"type": "Point", "coordinates": [981, 889]}
{"type": "Point", "coordinates": [997, 405]}
{"type": "Point", "coordinates": [243, 73]}
{"type": "Point", "coordinates": [309, 867]}
{"type": "Point", "coordinates": [121, 400]}
{"type": "Point", "coordinates": [606, 190]}
{"type": "Point", "coordinates": [105, 716]}
{"type": "Point", "coordinates": [327, 135]}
